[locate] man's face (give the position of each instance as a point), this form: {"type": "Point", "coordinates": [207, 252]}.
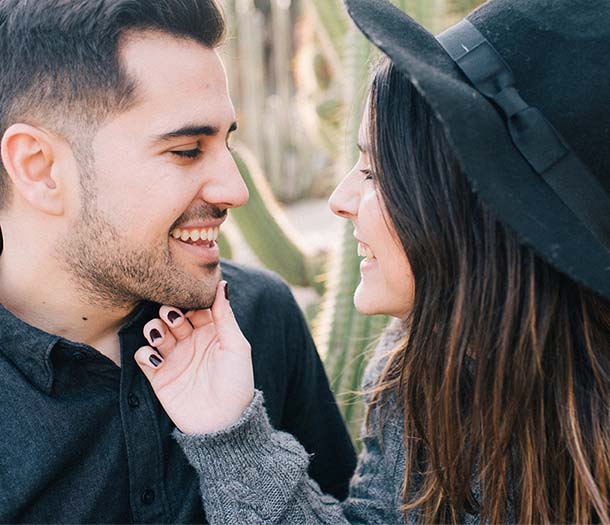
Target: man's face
{"type": "Point", "coordinates": [163, 179]}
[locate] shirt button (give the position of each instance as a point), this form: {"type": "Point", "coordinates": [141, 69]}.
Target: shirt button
{"type": "Point", "coordinates": [134, 402]}
{"type": "Point", "coordinates": [148, 496]}
{"type": "Point", "coordinates": [78, 356]}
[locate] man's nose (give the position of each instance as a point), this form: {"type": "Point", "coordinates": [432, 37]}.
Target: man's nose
{"type": "Point", "coordinates": [224, 186]}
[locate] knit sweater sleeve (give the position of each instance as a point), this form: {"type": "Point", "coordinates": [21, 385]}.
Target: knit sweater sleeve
{"type": "Point", "coordinates": [252, 473]}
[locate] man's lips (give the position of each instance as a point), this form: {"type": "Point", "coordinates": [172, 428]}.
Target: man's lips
{"type": "Point", "coordinates": [198, 231]}
{"type": "Point", "coordinates": [195, 234]}
{"type": "Point", "coordinates": [201, 223]}
{"type": "Point", "coordinates": [205, 251]}
{"type": "Point", "coordinates": [199, 239]}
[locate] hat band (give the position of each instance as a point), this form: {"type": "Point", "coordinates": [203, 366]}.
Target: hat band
{"type": "Point", "coordinates": [533, 135]}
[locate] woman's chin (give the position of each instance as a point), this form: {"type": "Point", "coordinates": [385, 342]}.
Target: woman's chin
{"type": "Point", "coordinates": [371, 302]}
{"type": "Point", "coordinates": [367, 303]}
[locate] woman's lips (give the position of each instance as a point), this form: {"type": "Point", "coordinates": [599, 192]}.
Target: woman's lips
{"type": "Point", "coordinates": [369, 260]}
{"type": "Point", "coordinates": [365, 251]}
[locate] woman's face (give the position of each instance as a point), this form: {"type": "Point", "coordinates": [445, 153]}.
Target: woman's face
{"type": "Point", "coordinates": [386, 282]}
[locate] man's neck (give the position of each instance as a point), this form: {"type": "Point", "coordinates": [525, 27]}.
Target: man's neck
{"type": "Point", "coordinates": [48, 301]}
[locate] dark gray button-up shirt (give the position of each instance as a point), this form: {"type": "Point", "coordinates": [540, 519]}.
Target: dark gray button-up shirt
{"type": "Point", "coordinates": [83, 440]}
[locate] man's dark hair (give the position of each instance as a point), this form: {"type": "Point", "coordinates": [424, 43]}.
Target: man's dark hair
{"type": "Point", "coordinates": [59, 59]}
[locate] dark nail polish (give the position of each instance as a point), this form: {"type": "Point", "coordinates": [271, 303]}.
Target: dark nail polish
{"type": "Point", "coordinates": [154, 360]}
{"type": "Point", "coordinates": [227, 291]}
{"type": "Point", "coordinates": [172, 316]}
{"type": "Point", "coordinates": [155, 334]}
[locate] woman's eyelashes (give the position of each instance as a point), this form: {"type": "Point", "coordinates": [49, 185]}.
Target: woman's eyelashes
{"type": "Point", "coordinates": [368, 174]}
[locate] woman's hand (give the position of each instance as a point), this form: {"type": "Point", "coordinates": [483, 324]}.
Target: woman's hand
{"type": "Point", "coordinates": [200, 367]}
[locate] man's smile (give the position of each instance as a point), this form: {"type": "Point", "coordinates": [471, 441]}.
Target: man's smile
{"type": "Point", "coordinates": [195, 235]}
{"type": "Point", "coordinates": [199, 240]}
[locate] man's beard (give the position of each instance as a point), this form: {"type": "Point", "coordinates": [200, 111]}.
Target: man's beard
{"type": "Point", "coordinates": [113, 273]}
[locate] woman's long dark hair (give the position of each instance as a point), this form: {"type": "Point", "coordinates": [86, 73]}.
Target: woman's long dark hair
{"type": "Point", "coordinates": [504, 377]}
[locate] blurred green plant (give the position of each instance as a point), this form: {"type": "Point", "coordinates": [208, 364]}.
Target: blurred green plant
{"type": "Point", "coordinates": [224, 245]}
{"type": "Point", "coordinates": [268, 232]}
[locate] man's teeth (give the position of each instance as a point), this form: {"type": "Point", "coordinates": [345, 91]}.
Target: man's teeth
{"type": "Point", "coordinates": [203, 234]}
{"type": "Point", "coordinates": [365, 251]}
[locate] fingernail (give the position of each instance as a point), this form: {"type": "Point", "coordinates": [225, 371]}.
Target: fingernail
{"type": "Point", "coordinates": [172, 316]}
{"type": "Point", "coordinates": [155, 334]}
{"type": "Point", "coordinates": [155, 361]}
{"type": "Point", "coordinates": [227, 291]}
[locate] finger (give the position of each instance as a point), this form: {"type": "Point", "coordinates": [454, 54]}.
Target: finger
{"type": "Point", "coordinates": [149, 361]}
{"type": "Point", "coordinates": [176, 322]}
{"type": "Point", "coordinates": [199, 318]}
{"type": "Point", "coordinates": [204, 326]}
{"type": "Point", "coordinates": [159, 336]}
{"type": "Point", "coordinates": [228, 330]}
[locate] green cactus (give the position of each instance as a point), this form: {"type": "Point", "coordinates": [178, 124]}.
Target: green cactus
{"type": "Point", "coordinates": [331, 24]}
{"type": "Point", "coordinates": [343, 335]}
{"type": "Point", "coordinates": [268, 232]}
{"type": "Point", "coordinates": [226, 250]}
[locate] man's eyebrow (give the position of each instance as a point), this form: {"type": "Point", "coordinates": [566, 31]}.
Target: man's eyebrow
{"type": "Point", "coordinates": [192, 131]}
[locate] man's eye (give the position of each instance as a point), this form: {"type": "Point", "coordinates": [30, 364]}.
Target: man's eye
{"type": "Point", "coordinates": [188, 153]}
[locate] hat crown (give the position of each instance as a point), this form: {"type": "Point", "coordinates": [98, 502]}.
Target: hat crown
{"type": "Point", "coordinates": [558, 52]}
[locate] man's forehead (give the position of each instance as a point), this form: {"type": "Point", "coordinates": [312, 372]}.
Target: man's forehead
{"type": "Point", "coordinates": [178, 82]}
{"type": "Point", "coordinates": [135, 44]}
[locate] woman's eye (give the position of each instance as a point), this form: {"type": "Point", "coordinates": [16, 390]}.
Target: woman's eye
{"type": "Point", "coordinates": [368, 175]}
{"type": "Point", "coordinates": [187, 153]}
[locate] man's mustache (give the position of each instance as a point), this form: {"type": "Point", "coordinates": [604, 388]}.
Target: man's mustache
{"type": "Point", "coordinates": [200, 214]}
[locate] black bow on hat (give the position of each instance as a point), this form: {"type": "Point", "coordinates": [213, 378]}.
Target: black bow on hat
{"type": "Point", "coordinates": [522, 88]}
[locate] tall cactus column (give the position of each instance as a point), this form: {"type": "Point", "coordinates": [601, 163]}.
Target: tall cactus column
{"type": "Point", "coordinates": [250, 28]}
{"type": "Point", "coordinates": [277, 128]}
{"type": "Point", "coordinates": [343, 335]}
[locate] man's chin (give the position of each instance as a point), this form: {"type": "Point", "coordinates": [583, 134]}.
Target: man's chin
{"type": "Point", "coordinates": [197, 305]}
{"type": "Point", "coordinates": [194, 292]}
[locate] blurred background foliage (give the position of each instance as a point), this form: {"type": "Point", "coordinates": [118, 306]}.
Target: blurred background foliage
{"type": "Point", "coordinates": [298, 72]}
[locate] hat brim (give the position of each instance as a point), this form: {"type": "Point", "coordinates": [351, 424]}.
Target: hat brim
{"type": "Point", "coordinates": [497, 172]}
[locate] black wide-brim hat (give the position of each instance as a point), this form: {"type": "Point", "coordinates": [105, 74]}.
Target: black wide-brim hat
{"type": "Point", "coordinates": [522, 88]}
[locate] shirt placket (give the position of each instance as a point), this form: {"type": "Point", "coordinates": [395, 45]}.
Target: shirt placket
{"type": "Point", "coordinates": [142, 439]}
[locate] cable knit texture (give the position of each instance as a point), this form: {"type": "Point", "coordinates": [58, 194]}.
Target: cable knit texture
{"type": "Point", "coordinates": [252, 473]}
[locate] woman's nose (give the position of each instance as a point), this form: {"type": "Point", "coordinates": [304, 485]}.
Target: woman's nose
{"type": "Point", "coordinates": [345, 199]}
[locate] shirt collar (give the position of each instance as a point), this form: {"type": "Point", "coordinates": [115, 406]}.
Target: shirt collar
{"type": "Point", "coordinates": [29, 349]}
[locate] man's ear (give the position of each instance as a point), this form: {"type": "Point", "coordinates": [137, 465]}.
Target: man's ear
{"type": "Point", "coordinates": [28, 155]}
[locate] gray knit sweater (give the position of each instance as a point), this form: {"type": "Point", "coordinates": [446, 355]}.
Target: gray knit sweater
{"type": "Point", "coordinates": [251, 473]}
